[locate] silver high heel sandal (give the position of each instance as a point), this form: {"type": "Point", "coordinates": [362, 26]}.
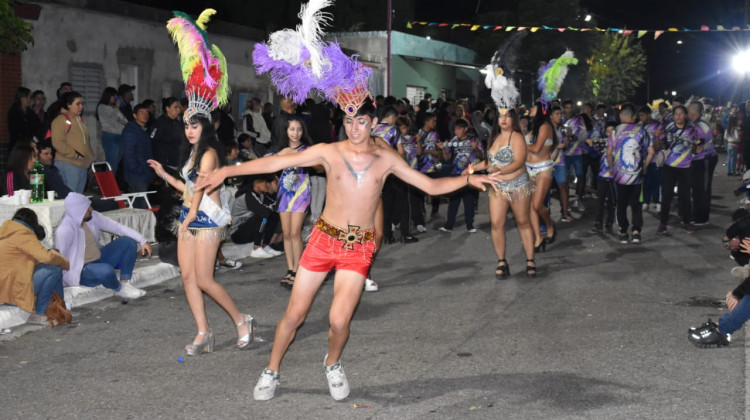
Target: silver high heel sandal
{"type": "Point", "coordinates": [207, 346]}
{"type": "Point", "coordinates": [244, 341]}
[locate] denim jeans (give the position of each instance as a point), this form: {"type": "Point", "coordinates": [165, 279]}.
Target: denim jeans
{"type": "Point", "coordinates": [119, 253]}
{"type": "Point", "coordinates": [47, 279]}
{"type": "Point", "coordinates": [733, 320]}
{"type": "Point", "coordinates": [731, 159]}
{"type": "Point", "coordinates": [467, 195]}
{"type": "Point", "coordinates": [652, 184]}
{"type": "Point", "coordinates": [112, 145]}
{"type": "Point", "coordinates": [73, 176]}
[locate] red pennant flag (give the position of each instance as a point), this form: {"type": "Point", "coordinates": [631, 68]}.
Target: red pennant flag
{"type": "Point", "coordinates": [705, 28]}
{"type": "Point", "coordinates": [657, 34]}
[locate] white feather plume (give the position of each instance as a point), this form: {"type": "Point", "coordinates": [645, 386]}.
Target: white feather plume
{"type": "Point", "coordinates": [311, 31]}
{"type": "Point", "coordinates": [503, 91]}
{"type": "Point", "coordinates": [287, 44]}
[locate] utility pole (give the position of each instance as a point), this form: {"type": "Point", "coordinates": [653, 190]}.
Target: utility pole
{"type": "Point", "coordinates": [388, 58]}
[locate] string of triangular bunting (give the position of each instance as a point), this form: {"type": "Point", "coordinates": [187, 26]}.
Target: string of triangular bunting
{"type": "Point", "coordinates": [625, 32]}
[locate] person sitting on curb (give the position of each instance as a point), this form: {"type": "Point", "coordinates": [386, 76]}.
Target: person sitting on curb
{"type": "Point", "coordinates": [712, 334]}
{"type": "Point", "coordinates": [77, 239]}
{"type": "Point", "coordinates": [254, 215]}
{"type": "Point", "coordinates": [35, 271]}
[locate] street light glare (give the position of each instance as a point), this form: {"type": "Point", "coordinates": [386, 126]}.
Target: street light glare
{"type": "Point", "coordinates": [679, 42]}
{"type": "Point", "coordinates": [741, 62]}
{"type": "Point", "coordinates": [587, 18]}
{"type": "Point", "coordinates": [674, 93]}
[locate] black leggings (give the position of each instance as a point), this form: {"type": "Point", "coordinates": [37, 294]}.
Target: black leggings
{"type": "Point", "coordinates": [680, 177]}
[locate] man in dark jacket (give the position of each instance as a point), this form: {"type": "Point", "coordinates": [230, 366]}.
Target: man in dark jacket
{"type": "Point", "coordinates": [53, 180]}
{"type": "Point", "coordinates": [136, 150]}
{"type": "Point", "coordinates": [280, 123]}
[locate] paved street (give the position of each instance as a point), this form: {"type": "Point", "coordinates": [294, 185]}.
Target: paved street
{"type": "Point", "coordinates": [600, 333]}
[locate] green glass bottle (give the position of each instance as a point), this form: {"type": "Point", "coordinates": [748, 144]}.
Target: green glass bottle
{"type": "Point", "coordinates": [37, 182]}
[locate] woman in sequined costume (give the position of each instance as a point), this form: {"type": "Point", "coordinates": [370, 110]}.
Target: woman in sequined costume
{"type": "Point", "coordinates": [506, 156]}
{"type": "Point", "coordinates": [540, 141]}
{"type": "Point", "coordinates": [294, 196]}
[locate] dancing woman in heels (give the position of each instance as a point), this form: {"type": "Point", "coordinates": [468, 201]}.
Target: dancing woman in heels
{"type": "Point", "coordinates": [540, 154]}
{"type": "Point", "coordinates": [205, 213]}
{"type": "Point", "coordinates": [506, 157]}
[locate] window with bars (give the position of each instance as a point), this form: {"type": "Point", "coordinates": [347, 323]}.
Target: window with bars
{"type": "Point", "coordinates": [415, 93]}
{"type": "Point", "coordinates": [87, 80]}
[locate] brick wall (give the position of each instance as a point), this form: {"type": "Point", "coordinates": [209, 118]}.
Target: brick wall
{"type": "Point", "coordinates": [10, 80]}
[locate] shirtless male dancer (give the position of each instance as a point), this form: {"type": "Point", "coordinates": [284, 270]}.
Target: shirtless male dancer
{"type": "Point", "coordinates": [343, 239]}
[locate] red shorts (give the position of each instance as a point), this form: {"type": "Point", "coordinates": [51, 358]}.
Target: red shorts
{"type": "Point", "coordinates": [350, 249]}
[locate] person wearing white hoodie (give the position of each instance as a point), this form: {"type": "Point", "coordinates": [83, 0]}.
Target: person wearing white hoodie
{"type": "Point", "coordinates": [77, 239]}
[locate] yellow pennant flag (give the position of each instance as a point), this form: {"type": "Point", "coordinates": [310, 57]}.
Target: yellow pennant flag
{"type": "Point", "coordinates": [534, 29]}
{"type": "Point", "coordinates": [673, 30]}
{"type": "Point", "coordinates": [641, 33]}
{"type": "Point", "coordinates": [475, 27]}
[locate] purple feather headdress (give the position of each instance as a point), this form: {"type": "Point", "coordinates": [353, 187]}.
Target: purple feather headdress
{"type": "Point", "coordinates": [299, 63]}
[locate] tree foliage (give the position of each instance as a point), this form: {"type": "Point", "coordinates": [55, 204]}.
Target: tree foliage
{"type": "Point", "coordinates": [15, 33]}
{"type": "Point", "coordinates": [616, 68]}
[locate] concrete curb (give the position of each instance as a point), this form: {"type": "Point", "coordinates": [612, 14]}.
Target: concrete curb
{"type": "Point", "coordinates": [144, 276]}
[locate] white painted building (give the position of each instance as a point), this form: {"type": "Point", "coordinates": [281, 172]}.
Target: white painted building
{"type": "Point", "coordinates": [98, 43]}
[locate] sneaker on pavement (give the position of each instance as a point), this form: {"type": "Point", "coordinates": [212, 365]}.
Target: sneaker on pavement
{"type": "Point", "coordinates": [35, 319]}
{"type": "Point", "coordinates": [421, 229]}
{"type": "Point", "coordinates": [445, 229]}
{"type": "Point", "coordinates": [581, 207]}
{"type": "Point", "coordinates": [260, 253]}
{"type": "Point", "coordinates": [337, 383]}
{"type": "Point", "coordinates": [624, 238]}
{"type": "Point", "coordinates": [656, 207]}
{"type": "Point", "coordinates": [566, 218]}
{"type": "Point", "coordinates": [701, 223]}
{"type": "Point", "coordinates": [370, 286]}
{"type": "Point", "coordinates": [708, 336]}
{"type": "Point", "coordinates": [741, 272]}
{"type": "Point", "coordinates": [662, 229]}
{"type": "Point", "coordinates": [471, 229]}
{"type": "Point", "coordinates": [409, 239]}
{"type": "Point", "coordinates": [129, 292]}
{"type": "Point", "coordinates": [708, 324]}
{"type": "Point", "coordinates": [636, 238]}
{"type": "Point", "coordinates": [688, 227]}
{"type": "Point", "coordinates": [272, 251]}
{"type": "Point", "coordinates": [265, 389]}
{"type": "Point", "coordinates": [644, 207]}
{"type": "Point", "coordinates": [230, 264]}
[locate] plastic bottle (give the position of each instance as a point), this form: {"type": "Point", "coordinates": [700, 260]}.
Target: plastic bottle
{"type": "Point", "coordinates": [36, 176]}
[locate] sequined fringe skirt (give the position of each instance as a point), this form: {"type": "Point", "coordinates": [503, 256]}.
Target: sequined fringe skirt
{"type": "Point", "coordinates": [515, 188]}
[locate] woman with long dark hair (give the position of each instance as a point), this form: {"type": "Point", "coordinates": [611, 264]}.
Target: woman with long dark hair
{"type": "Point", "coordinates": [203, 220]}
{"type": "Point", "coordinates": [294, 196]}
{"type": "Point", "coordinates": [20, 122]}
{"type": "Point", "coordinates": [71, 140]}
{"type": "Point", "coordinates": [541, 141]}
{"type": "Point", "coordinates": [20, 161]}
{"type": "Point", "coordinates": [112, 122]}
{"type": "Point", "coordinates": [506, 156]}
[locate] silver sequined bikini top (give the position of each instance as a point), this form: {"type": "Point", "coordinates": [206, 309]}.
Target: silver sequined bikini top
{"type": "Point", "coordinates": [502, 157]}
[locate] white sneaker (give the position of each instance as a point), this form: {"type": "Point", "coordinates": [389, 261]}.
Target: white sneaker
{"type": "Point", "coordinates": [657, 207]}
{"type": "Point", "coordinates": [260, 253]}
{"type": "Point", "coordinates": [265, 389]}
{"type": "Point", "coordinates": [421, 229]}
{"type": "Point", "coordinates": [272, 251]}
{"type": "Point", "coordinates": [741, 272]}
{"type": "Point", "coordinates": [231, 264]}
{"type": "Point", "coordinates": [129, 292]}
{"type": "Point", "coordinates": [337, 383]}
{"type": "Point", "coordinates": [370, 286]}
{"type": "Point", "coordinates": [644, 207]}
{"type": "Point", "coordinates": [581, 207]}
{"type": "Point", "coordinates": [445, 229]}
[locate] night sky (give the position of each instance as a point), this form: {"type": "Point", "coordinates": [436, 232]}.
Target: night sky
{"type": "Point", "coordinates": [701, 65]}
